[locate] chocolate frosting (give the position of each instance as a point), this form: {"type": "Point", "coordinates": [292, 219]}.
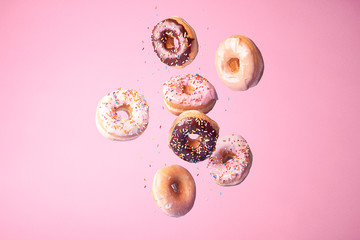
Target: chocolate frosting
{"type": "Point", "coordinates": [170, 28]}
{"type": "Point", "coordinates": [179, 142]}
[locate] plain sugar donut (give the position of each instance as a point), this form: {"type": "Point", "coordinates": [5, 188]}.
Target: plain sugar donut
{"type": "Point", "coordinates": [239, 63]}
{"type": "Point", "coordinates": [174, 190]}
{"type": "Point", "coordinates": [111, 125]}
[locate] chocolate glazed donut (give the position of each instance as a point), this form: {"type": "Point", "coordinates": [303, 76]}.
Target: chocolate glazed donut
{"type": "Point", "coordinates": [174, 42]}
{"type": "Point", "coordinates": [193, 150]}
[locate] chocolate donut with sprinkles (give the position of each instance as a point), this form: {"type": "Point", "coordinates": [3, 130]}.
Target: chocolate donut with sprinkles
{"type": "Point", "coordinates": [188, 124]}
{"type": "Point", "coordinates": [175, 42]}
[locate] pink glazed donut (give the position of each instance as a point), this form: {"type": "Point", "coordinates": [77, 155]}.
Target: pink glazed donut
{"type": "Point", "coordinates": [230, 163]}
{"type": "Point", "coordinates": [189, 92]}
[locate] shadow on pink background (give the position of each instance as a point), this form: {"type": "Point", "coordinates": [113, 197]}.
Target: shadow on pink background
{"type": "Point", "coordinates": [60, 179]}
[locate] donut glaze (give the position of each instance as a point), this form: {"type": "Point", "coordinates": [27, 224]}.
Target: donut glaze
{"type": "Point", "coordinates": [193, 122]}
{"type": "Point", "coordinates": [174, 42]}
{"type": "Point", "coordinates": [189, 92]}
{"type": "Point", "coordinates": [174, 190]}
{"type": "Point", "coordinates": [239, 63]}
{"type": "Point", "coordinates": [111, 125]}
{"type": "Point", "coordinates": [231, 161]}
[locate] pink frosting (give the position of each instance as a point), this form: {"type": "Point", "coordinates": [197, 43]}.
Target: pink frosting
{"type": "Point", "coordinates": [204, 92]}
{"type": "Point", "coordinates": [235, 170]}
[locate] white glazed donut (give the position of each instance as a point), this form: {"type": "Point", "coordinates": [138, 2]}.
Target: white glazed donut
{"type": "Point", "coordinates": [174, 190]}
{"type": "Point", "coordinates": [111, 125]}
{"type": "Point", "coordinates": [189, 92]}
{"type": "Point", "coordinates": [230, 163]}
{"type": "Point", "coordinates": [239, 63]}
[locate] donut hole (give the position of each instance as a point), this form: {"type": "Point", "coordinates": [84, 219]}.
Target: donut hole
{"type": "Point", "coordinates": [171, 42]}
{"type": "Point", "coordinates": [188, 89]}
{"type": "Point", "coordinates": [227, 156]}
{"type": "Point", "coordinates": [175, 187]}
{"type": "Point", "coordinates": [193, 140]}
{"type": "Point", "coordinates": [233, 65]}
{"type": "Point", "coordinates": [123, 113]}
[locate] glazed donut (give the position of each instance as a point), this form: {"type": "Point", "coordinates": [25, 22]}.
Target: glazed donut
{"type": "Point", "coordinates": [174, 41]}
{"type": "Point", "coordinates": [239, 63]}
{"type": "Point", "coordinates": [197, 123]}
{"type": "Point", "coordinates": [115, 127]}
{"type": "Point", "coordinates": [174, 190]}
{"type": "Point", "coordinates": [189, 92]}
{"type": "Point", "coordinates": [230, 163]}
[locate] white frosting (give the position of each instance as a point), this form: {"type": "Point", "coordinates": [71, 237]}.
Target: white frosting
{"type": "Point", "coordinates": [204, 92]}
{"type": "Point", "coordinates": [234, 170]}
{"type": "Point", "coordinates": [246, 76]}
{"type": "Point", "coordinates": [112, 124]}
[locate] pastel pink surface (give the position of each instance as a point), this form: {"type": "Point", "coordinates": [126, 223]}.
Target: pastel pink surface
{"type": "Point", "coordinates": [60, 179]}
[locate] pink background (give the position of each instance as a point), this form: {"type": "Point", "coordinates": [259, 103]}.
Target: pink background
{"type": "Point", "coordinates": [60, 179]}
